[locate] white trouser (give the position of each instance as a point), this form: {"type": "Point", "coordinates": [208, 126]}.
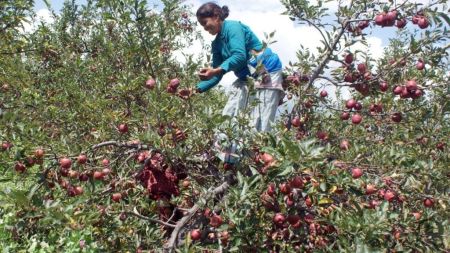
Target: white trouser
{"type": "Point", "coordinates": [266, 101]}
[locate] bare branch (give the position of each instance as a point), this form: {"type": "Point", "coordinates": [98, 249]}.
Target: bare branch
{"type": "Point", "coordinates": [137, 214]}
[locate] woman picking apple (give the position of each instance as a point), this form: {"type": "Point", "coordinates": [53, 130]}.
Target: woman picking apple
{"type": "Point", "coordinates": [234, 48]}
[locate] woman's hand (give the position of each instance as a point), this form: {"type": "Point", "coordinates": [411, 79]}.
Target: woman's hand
{"type": "Point", "coordinates": [208, 73]}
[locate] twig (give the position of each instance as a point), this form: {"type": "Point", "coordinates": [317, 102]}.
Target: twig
{"type": "Point", "coordinates": [171, 245]}
{"type": "Point", "coordinates": [140, 216]}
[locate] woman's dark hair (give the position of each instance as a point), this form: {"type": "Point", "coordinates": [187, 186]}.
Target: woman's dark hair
{"type": "Point", "coordinates": [210, 9]}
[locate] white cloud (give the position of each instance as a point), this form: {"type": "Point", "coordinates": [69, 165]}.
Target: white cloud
{"type": "Point", "coordinates": [42, 15]}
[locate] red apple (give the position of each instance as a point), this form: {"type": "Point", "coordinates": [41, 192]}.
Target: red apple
{"type": "Point", "coordinates": [20, 167]}
{"type": "Point", "coordinates": [174, 83]}
{"type": "Point", "coordinates": [356, 172]}
{"type": "Point", "coordinates": [297, 182]}
{"type": "Point", "coordinates": [398, 90]}
{"type": "Point", "coordinates": [370, 189]}
{"type": "Point", "coordinates": [345, 116]}
{"type": "Point", "coordinates": [195, 234]}
{"type": "Point", "coordinates": [420, 65]}
{"type": "Point", "coordinates": [322, 135]}
{"type": "Point", "coordinates": [362, 68]}
{"type": "Point", "coordinates": [358, 106]}
{"type": "Point", "coordinates": [411, 85]}
{"type": "Point", "coordinates": [123, 128]}
{"type": "Point", "coordinates": [389, 195]}
{"type": "Point", "coordinates": [285, 188]}
{"type": "Point", "coordinates": [423, 23]}
{"type": "Point", "coordinates": [105, 162]}
{"type": "Point", "coordinates": [279, 219]}
{"type": "Point", "coordinates": [383, 86]}
{"type": "Point", "coordinates": [271, 189]}
{"type": "Point", "coordinates": [379, 19]}
{"type": "Point", "coordinates": [348, 58]}
{"type": "Point", "coordinates": [98, 175]}
{"type": "Point", "coordinates": [39, 153]}
{"type": "Point", "coordinates": [116, 197]}
{"type": "Point", "coordinates": [294, 220]}
{"type": "Point", "coordinates": [65, 163]}
{"type": "Point", "coordinates": [78, 190]}
{"type": "Point", "coordinates": [428, 202]}
{"type": "Point", "coordinates": [227, 166]}
{"type": "Point", "coordinates": [266, 158]}
{"type": "Point", "coordinates": [396, 117]}
{"type": "Point", "coordinates": [401, 23]}
{"type": "Point", "coordinates": [356, 119]}
{"type": "Point", "coordinates": [296, 121]}
{"type": "Point", "coordinates": [323, 93]}
{"type": "Point", "coordinates": [350, 103]}
{"type": "Point", "coordinates": [82, 159]}
{"type": "Point", "coordinates": [150, 83]}
{"type": "Point", "coordinates": [215, 221]}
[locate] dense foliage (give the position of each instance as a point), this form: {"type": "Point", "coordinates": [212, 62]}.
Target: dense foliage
{"type": "Point", "coordinates": [106, 149]}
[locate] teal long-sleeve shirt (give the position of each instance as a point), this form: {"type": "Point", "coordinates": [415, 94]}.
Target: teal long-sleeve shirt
{"type": "Point", "coordinates": [231, 51]}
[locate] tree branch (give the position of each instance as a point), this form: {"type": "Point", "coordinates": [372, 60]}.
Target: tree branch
{"type": "Point", "coordinates": [171, 245]}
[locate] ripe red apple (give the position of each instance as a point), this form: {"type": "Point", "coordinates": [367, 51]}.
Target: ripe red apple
{"type": "Point", "coordinates": [83, 177]}
{"type": "Point", "coordinates": [105, 162]}
{"type": "Point", "coordinates": [285, 188]}
{"type": "Point", "coordinates": [322, 135]}
{"type": "Point", "coordinates": [345, 116]}
{"type": "Point", "coordinates": [401, 23]}
{"type": "Point", "coordinates": [440, 145]}
{"type": "Point", "coordinates": [396, 117]}
{"type": "Point", "coordinates": [297, 182]}
{"type": "Point", "coordinates": [417, 215]}
{"type": "Point", "coordinates": [296, 121]}
{"type": "Point", "coordinates": [73, 174]}
{"type": "Point", "coordinates": [150, 83]}
{"type": "Point", "coordinates": [279, 219]}
{"type": "Point", "coordinates": [82, 159]}
{"type": "Point", "coordinates": [20, 167]}
{"type": "Point", "coordinates": [420, 65]}
{"type": "Point", "coordinates": [370, 189]}
{"type": "Point", "coordinates": [98, 175]}
{"type": "Point", "coordinates": [116, 197]}
{"type": "Point", "coordinates": [356, 172]}
{"type": "Point", "coordinates": [423, 23]}
{"type": "Point", "coordinates": [356, 119]}
{"type": "Point", "coordinates": [196, 234]}
{"type": "Point", "coordinates": [389, 195]}
{"type": "Point", "coordinates": [271, 189]}
{"type": "Point", "coordinates": [384, 86]}
{"type": "Point", "coordinates": [348, 58]}
{"type": "Point", "coordinates": [39, 153]}
{"type": "Point", "coordinates": [174, 83]}
{"type": "Point", "coordinates": [358, 106]}
{"type": "Point", "coordinates": [428, 202]}
{"type": "Point", "coordinates": [350, 103]}
{"type": "Point", "coordinates": [106, 171]}
{"type": "Point", "coordinates": [266, 158]}
{"type": "Point", "coordinates": [411, 85]}
{"type": "Point", "coordinates": [65, 163]}
{"type": "Point", "coordinates": [362, 68]}
{"type": "Point", "coordinates": [78, 190]}
{"type": "Point", "coordinates": [363, 24]}
{"type": "Point", "coordinates": [308, 201]}
{"type": "Point", "coordinates": [344, 145]}
{"type": "Point", "coordinates": [349, 78]}
{"type": "Point", "coordinates": [398, 90]}
{"type": "Point", "coordinates": [415, 19]}
{"type": "Point", "coordinates": [309, 103]}
{"type": "Point", "coordinates": [215, 221]}
{"type": "Point", "coordinates": [379, 19]}
{"type": "Point", "coordinates": [6, 146]}
{"type": "Point", "coordinates": [186, 183]}
{"type": "Point", "coordinates": [294, 220]}
{"type": "Point", "coordinates": [323, 93]}
{"type": "Point", "coordinates": [123, 128]}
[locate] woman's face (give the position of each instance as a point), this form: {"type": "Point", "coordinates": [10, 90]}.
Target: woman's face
{"type": "Point", "coordinates": [211, 24]}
